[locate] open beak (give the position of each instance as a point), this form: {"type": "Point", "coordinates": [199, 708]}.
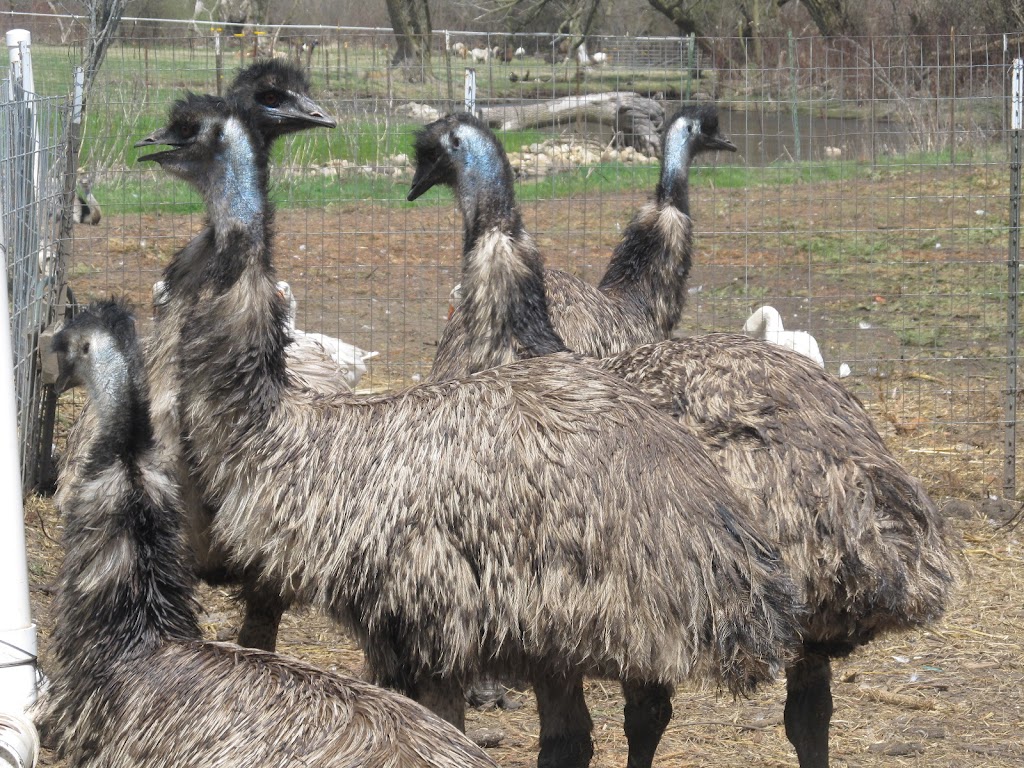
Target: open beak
{"type": "Point", "coordinates": [303, 113]}
{"type": "Point", "coordinates": [158, 138]}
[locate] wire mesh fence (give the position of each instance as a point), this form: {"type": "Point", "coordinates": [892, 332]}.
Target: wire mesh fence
{"type": "Point", "coordinates": [867, 201]}
{"type": "Point", "coordinates": [33, 167]}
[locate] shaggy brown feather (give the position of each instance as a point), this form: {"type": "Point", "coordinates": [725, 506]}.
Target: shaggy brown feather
{"type": "Point", "coordinates": [864, 542]}
{"type": "Point", "coordinates": [133, 684]}
{"type": "Point", "coordinates": [539, 520]}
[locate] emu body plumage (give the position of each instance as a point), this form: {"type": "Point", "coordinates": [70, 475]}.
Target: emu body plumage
{"type": "Point", "coordinates": [133, 683]}
{"type": "Point", "coordinates": [862, 539]}
{"type": "Point", "coordinates": [542, 520]}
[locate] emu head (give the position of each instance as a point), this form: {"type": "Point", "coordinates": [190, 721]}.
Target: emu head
{"type": "Point", "coordinates": [691, 131]}
{"type": "Point", "coordinates": [277, 93]}
{"type": "Point", "coordinates": [696, 127]}
{"type": "Point", "coordinates": [216, 150]}
{"type": "Point", "coordinates": [461, 152]}
{"type": "Point", "coordinates": [97, 349]}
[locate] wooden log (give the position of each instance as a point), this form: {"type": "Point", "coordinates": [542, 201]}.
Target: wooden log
{"type": "Point", "coordinates": [636, 120]}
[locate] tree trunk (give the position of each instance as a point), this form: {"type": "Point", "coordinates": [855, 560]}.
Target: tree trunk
{"type": "Point", "coordinates": [636, 120]}
{"type": "Point", "coordinates": [410, 20]}
{"type": "Point", "coordinates": [830, 17]}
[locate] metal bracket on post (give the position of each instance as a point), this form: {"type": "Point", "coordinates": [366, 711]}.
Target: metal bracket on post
{"type": "Point", "coordinates": [1013, 283]}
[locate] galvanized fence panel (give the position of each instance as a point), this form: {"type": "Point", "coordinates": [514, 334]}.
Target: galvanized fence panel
{"type": "Point", "coordinates": [867, 202]}
{"type": "Point", "coordinates": [32, 174]}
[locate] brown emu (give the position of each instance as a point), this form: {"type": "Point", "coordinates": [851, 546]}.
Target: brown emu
{"type": "Point", "coordinates": [542, 521]}
{"type": "Point", "coordinates": [277, 92]}
{"type": "Point", "coordinates": [862, 539]}
{"type": "Point", "coordinates": [133, 683]}
{"type": "Point", "coordinates": [641, 296]}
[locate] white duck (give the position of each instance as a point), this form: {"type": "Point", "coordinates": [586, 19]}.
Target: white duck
{"type": "Point", "coordinates": [766, 323]}
{"type": "Point", "coordinates": [350, 358]}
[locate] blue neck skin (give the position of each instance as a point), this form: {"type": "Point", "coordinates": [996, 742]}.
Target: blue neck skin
{"type": "Point", "coordinates": [675, 168]}
{"type": "Point", "coordinates": [483, 183]}
{"type": "Point", "coordinates": [241, 188]}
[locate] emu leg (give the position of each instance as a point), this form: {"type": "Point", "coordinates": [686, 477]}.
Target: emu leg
{"type": "Point", "coordinates": [565, 723]}
{"type": "Point", "coordinates": [263, 610]}
{"type": "Point", "coordinates": [648, 711]}
{"type": "Point", "coordinates": [444, 697]}
{"type": "Point", "coordinates": [809, 708]}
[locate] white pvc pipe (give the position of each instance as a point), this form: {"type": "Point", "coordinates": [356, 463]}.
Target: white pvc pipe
{"type": "Point", "coordinates": [18, 41]}
{"type": "Point", "coordinates": [19, 742]}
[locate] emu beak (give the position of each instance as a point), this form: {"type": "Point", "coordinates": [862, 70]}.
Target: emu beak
{"type": "Point", "coordinates": [426, 176]}
{"type": "Point", "coordinates": [720, 141]}
{"type": "Point", "coordinates": [304, 113]}
{"type": "Point", "coordinates": [158, 138]}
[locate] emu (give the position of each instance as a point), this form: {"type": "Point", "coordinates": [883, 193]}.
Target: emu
{"type": "Point", "coordinates": [860, 536]}
{"type": "Point", "coordinates": [542, 522]}
{"type": "Point", "coordinates": [134, 684]}
{"type": "Point", "coordinates": [278, 94]}
{"type": "Point", "coordinates": [641, 296]}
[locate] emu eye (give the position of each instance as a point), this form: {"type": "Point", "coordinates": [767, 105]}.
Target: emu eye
{"type": "Point", "coordinates": [189, 130]}
{"type": "Point", "coordinates": [269, 99]}
{"type": "Point", "coordinates": [455, 141]}
{"type": "Point", "coordinates": [85, 348]}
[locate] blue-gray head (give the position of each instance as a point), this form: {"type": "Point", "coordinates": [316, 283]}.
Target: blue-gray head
{"type": "Point", "coordinates": [98, 349]}
{"type": "Point", "coordinates": [215, 149]}
{"type": "Point", "coordinates": [692, 130]}
{"type": "Point", "coordinates": [463, 153]}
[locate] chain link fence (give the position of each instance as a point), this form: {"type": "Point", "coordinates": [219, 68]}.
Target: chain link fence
{"type": "Point", "coordinates": [867, 201]}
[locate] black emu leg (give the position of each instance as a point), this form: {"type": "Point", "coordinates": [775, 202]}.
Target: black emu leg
{"type": "Point", "coordinates": [648, 711]}
{"type": "Point", "coordinates": [565, 723]}
{"type": "Point", "coordinates": [263, 610]}
{"type": "Point", "coordinates": [444, 697]}
{"type": "Point", "coordinates": [809, 708]}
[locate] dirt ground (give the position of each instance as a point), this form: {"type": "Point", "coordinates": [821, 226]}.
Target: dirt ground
{"type": "Point", "coordinates": [379, 277]}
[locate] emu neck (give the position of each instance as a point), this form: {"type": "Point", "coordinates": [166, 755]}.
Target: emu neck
{"type": "Point", "coordinates": [678, 152]}
{"type": "Point", "coordinates": [505, 306]}
{"type": "Point", "coordinates": [232, 350]}
{"type": "Point", "coordinates": [649, 268]}
{"type": "Point", "coordinates": [125, 587]}
{"type": "Point", "coordinates": [118, 392]}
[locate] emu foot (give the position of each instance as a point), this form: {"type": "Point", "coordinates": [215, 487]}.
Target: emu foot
{"type": "Point", "coordinates": [490, 692]}
{"type": "Point", "coordinates": [809, 709]}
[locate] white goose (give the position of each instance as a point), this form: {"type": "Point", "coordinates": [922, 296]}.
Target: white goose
{"type": "Point", "coordinates": [349, 357]}
{"type": "Point", "coordinates": [766, 323]}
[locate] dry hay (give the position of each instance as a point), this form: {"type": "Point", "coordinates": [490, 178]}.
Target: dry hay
{"type": "Point", "coordinates": [949, 696]}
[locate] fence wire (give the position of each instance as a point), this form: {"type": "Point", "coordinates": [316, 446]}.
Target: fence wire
{"type": "Point", "coordinates": [867, 201]}
{"type": "Point", "coordinates": [33, 144]}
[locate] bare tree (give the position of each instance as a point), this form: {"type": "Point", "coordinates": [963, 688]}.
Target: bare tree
{"type": "Point", "coordinates": [831, 17]}
{"type": "Point", "coordinates": [410, 20]}
{"type": "Point", "coordinates": [103, 17]}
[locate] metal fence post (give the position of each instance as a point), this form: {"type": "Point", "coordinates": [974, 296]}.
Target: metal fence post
{"type": "Point", "coordinates": [1013, 265]}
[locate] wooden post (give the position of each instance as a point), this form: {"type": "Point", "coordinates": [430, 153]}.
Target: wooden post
{"type": "Point", "coordinates": [952, 96]}
{"type": "Point", "coordinates": [218, 58]}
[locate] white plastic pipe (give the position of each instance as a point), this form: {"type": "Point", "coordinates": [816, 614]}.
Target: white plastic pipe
{"type": "Point", "coordinates": [17, 632]}
{"type": "Point", "coordinates": [19, 742]}
{"type": "Point", "coordinates": [18, 43]}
